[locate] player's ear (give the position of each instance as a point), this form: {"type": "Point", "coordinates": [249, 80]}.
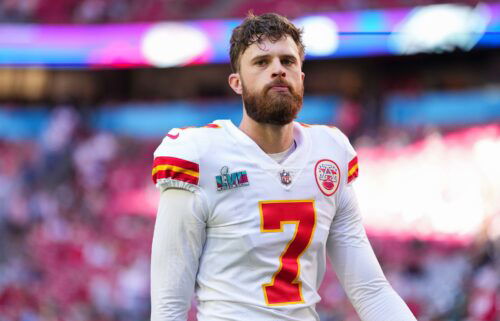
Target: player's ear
{"type": "Point", "coordinates": [303, 76]}
{"type": "Point", "coordinates": [235, 83]}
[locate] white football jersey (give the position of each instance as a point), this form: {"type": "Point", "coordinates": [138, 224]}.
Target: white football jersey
{"type": "Point", "coordinates": [267, 224]}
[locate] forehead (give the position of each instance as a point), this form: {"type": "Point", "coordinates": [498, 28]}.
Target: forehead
{"type": "Point", "coordinates": [284, 46]}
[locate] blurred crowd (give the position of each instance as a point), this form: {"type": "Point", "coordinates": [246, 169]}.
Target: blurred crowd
{"type": "Point", "coordinates": [68, 252]}
{"type": "Point", "coordinates": [117, 11]}
{"type": "Point", "coordinates": [63, 254]}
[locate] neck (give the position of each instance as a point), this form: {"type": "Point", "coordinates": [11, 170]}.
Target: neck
{"type": "Point", "coordinates": [271, 139]}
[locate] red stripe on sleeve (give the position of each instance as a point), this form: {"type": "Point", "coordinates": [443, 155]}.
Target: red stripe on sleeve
{"type": "Point", "coordinates": [163, 160]}
{"type": "Point", "coordinates": [353, 162]}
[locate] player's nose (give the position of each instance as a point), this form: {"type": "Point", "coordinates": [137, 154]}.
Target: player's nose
{"type": "Point", "coordinates": [278, 70]}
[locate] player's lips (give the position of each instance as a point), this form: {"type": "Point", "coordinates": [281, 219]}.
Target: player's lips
{"type": "Point", "coordinates": [279, 85]}
{"type": "Point", "coordinates": [280, 88]}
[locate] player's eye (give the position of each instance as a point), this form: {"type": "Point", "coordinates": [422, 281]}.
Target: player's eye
{"type": "Point", "coordinates": [261, 62]}
{"type": "Point", "coordinates": [288, 61]}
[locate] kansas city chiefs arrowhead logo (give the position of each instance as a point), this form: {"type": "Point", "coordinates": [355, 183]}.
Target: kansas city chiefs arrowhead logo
{"type": "Point", "coordinates": [327, 174]}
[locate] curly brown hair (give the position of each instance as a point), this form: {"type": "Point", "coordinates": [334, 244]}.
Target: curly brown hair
{"type": "Point", "coordinates": [257, 28]}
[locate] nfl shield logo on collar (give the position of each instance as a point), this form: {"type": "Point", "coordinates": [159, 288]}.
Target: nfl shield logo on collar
{"type": "Point", "coordinates": [286, 178]}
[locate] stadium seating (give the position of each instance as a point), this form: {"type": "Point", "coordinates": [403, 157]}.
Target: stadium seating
{"type": "Point", "coordinates": [105, 11]}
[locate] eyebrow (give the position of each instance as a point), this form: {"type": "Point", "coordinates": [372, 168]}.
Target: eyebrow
{"type": "Point", "coordinates": [268, 56]}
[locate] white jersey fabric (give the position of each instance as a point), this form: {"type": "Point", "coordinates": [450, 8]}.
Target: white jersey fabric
{"type": "Point", "coordinates": [250, 236]}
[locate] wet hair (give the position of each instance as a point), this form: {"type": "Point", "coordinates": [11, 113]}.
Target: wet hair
{"type": "Point", "coordinates": [254, 29]}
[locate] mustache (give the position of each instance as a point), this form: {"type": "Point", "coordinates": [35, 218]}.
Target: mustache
{"type": "Point", "coordinates": [278, 82]}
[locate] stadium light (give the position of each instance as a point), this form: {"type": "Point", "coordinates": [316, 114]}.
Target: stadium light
{"type": "Point", "coordinates": [320, 36]}
{"type": "Point", "coordinates": [440, 28]}
{"type": "Point", "coordinates": [173, 44]}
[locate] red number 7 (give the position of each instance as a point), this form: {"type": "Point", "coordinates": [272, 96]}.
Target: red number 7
{"type": "Point", "coordinates": [285, 287]}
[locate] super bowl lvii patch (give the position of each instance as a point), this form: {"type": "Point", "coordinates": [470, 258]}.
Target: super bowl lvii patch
{"type": "Point", "coordinates": [228, 180]}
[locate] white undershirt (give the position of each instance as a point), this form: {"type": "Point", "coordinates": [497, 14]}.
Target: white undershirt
{"type": "Point", "coordinates": [280, 157]}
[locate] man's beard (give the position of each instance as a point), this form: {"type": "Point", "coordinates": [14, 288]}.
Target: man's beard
{"type": "Point", "coordinates": [273, 107]}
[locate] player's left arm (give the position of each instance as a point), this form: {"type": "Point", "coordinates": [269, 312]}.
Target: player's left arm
{"type": "Point", "coordinates": [353, 258]}
{"type": "Point", "coordinates": [357, 267]}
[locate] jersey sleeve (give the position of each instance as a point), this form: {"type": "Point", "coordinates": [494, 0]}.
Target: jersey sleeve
{"type": "Point", "coordinates": [352, 256]}
{"type": "Point", "coordinates": [176, 162]}
{"type": "Point", "coordinates": [357, 267]}
{"type": "Point", "coordinates": [178, 240]}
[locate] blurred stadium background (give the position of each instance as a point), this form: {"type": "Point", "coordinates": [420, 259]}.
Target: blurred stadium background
{"type": "Point", "coordinates": [88, 88]}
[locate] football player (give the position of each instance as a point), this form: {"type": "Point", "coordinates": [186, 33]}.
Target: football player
{"type": "Point", "coordinates": [249, 213]}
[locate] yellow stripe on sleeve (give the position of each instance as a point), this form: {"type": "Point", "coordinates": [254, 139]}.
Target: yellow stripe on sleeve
{"type": "Point", "coordinates": [353, 169]}
{"type": "Point", "coordinates": [175, 169]}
